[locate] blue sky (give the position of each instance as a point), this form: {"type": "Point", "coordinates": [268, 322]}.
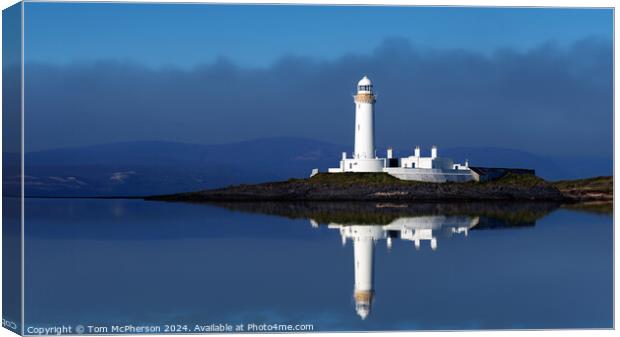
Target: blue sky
{"type": "Point", "coordinates": [186, 35]}
{"type": "Point", "coordinates": [533, 79]}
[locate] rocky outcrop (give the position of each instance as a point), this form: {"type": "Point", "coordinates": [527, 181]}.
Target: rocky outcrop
{"type": "Point", "coordinates": [379, 187]}
{"type": "Point", "coordinates": [598, 189]}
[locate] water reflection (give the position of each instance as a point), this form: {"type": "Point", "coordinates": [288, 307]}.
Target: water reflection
{"type": "Point", "coordinates": [491, 214]}
{"type": "Point", "coordinates": [511, 260]}
{"type": "Point", "coordinates": [414, 229]}
{"type": "Point", "coordinates": [365, 224]}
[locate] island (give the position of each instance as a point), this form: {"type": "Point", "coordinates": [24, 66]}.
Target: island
{"type": "Point", "coordinates": [382, 187]}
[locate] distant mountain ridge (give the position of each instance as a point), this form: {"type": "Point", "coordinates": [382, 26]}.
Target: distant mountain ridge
{"type": "Point", "coordinates": [160, 167]}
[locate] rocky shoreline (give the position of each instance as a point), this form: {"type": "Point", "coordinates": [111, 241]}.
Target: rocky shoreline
{"type": "Point", "coordinates": [380, 187]}
{"type": "Point", "coordinates": [593, 190]}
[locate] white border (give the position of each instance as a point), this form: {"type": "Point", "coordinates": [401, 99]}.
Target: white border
{"type": "Point", "coordinates": [477, 3]}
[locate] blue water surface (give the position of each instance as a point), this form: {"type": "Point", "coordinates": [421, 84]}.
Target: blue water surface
{"type": "Point", "coordinates": [138, 262]}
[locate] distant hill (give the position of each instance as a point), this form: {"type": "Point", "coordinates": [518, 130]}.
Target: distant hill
{"type": "Point", "coordinates": [154, 167]}
{"type": "Point", "coordinates": [157, 167]}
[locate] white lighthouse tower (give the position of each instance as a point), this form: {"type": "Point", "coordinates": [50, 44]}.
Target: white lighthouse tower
{"type": "Point", "coordinates": [364, 120]}
{"type": "Point", "coordinates": [364, 158]}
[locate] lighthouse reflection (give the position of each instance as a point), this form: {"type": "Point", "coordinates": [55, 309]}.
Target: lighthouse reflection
{"type": "Point", "coordinates": [421, 226]}
{"type": "Point", "coordinates": [365, 237]}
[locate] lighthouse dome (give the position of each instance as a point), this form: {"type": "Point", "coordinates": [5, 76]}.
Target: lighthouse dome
{"type": "Point", "coordinates": [364, 81]}
{"type": "Point", "coordinates": [364, 85]}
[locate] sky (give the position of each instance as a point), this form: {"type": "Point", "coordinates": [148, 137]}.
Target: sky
{"type": "Point", "coordinates": [258, 35]}
{"type": "Point", "coordinates": [534, 79]}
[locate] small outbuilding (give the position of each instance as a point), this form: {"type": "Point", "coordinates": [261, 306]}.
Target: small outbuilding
{"type": "Point", "coordinates": [492, 173]}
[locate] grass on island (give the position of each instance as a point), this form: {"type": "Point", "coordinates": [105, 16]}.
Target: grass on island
{"type": "Point", "coordinates": [518, 180]}
{"type": "Point", "coordinates": [357, 178]}
{"type": "Point", "coordinates": [599, 184]}
{"type": "Point", "coordinates": [370, 179]}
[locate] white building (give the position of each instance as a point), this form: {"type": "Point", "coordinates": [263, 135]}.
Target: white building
{"type": "Point", "coordinates": [413, 229]}
{"type": "Point", "coordinates": [414, 167]}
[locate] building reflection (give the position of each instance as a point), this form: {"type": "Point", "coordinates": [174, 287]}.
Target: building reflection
{"type": "Point", "coordinates": [415, 229]}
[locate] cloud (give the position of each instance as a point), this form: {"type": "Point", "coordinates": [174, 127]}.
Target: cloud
{"type": "Point", "coordinates": [549, 99]}
{"type": "Point", "coordinates": [67, 180]}
{"type": "Point", "coordinates": [121, 177]}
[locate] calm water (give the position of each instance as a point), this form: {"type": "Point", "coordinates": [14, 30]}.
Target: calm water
{"type": "Point", "coordinates": [368, 267]}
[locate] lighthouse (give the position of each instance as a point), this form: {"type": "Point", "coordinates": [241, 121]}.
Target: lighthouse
{"type": "Point", "coordinates": [363, 158]}
{"type": "Point", "coordinates": [414, 167]}
{"type": "Point", "coordinates": [364, 120]}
